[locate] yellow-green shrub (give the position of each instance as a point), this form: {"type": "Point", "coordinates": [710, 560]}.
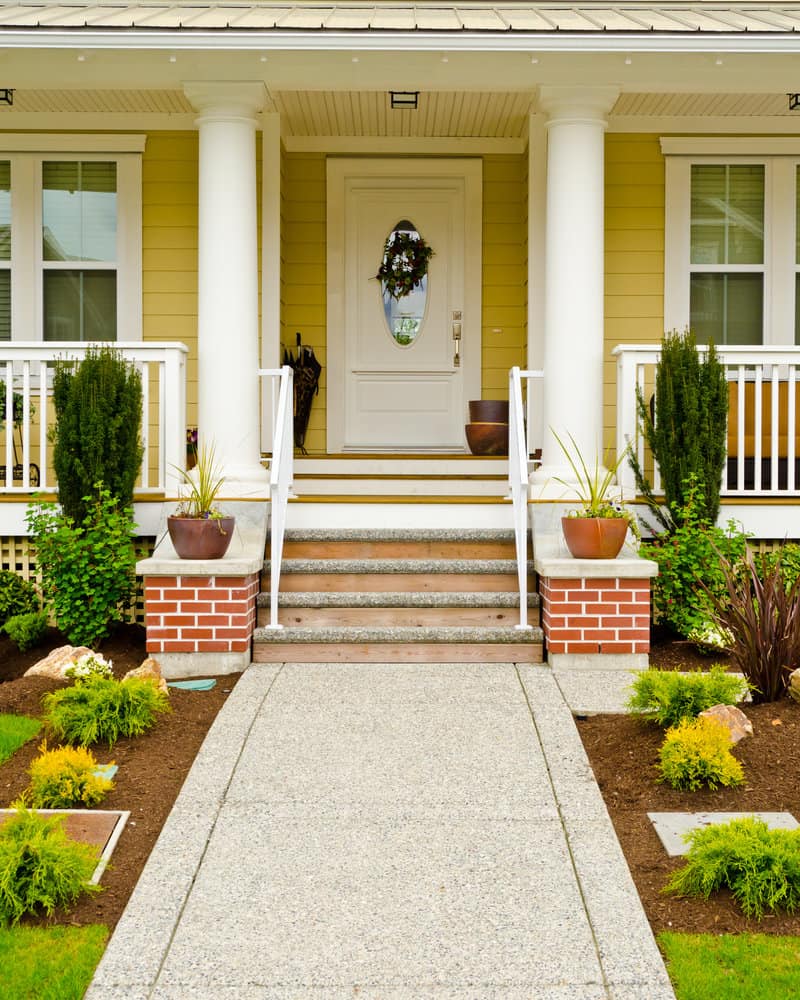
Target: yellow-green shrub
{"type": "Point", "coordinates": [698, 752]}
{"type": "Point", "coordinates": [65, 777]}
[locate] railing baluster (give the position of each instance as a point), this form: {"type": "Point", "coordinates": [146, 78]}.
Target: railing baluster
{"type": "Point", "coordinates": [791, 428]}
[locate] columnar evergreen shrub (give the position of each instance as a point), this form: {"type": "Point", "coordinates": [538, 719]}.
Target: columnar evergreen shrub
{"type": "Point", "coordinates": [98, 404]}
{"type": "Point", "coordinates": [687, 432]}
{"type": "Point", "coordinates": [697, 752]}
{"type": "Point", "coordinates": [87, 571]}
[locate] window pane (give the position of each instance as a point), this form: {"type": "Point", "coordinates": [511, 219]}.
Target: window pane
{"type": "Point", "coordinates": [80, 305]}
{"type": "Point", "coordinates": [727, 214]}
{"type": "Point", "coordinates": [5, 210]}
{"type": "Point", "coordinates": [728, 308]}
{"type": "Point", "coordinates": [5, 304]}
{"type": "Point", "coordinates": [79, 211]}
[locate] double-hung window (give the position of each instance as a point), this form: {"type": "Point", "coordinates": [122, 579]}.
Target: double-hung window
{"type": "Point", "coordinates": [70, 238]}
{"type": "Point", "coordinates": [732, 244]}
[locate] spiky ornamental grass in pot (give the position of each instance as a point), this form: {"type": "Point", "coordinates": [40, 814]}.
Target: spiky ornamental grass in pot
{"type": "Point", "coordinates": [198, 529]}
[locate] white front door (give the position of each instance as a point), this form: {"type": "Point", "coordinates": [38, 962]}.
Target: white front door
{"type": "Point", "coordinates": [389, 391]}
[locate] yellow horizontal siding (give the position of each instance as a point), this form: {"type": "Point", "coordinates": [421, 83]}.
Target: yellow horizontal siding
{"type": "Point", "coordinates": [634, 253]}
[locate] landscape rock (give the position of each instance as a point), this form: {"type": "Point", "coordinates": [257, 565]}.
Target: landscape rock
{"type": "Point", "coordinates": [56, 663]}
{"type": "Point", "coordinates": [734, 719]}
{"type": "Point", "coordinates": [149, 670]}
{"type": "Point", "coordinates": [794, 684]}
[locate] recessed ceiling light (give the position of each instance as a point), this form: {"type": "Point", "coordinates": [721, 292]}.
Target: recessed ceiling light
{"type": "Point", "coordinates": [263, 58]}
{"type": "Point", "coordinates": [173, 59]}
{"type": "Point", "coordinates": [81, 58]}
{"type": "Point", "coordinates": [354, 59]}
{"type": "Point", "coordinates": [628, 60]}
{"type": "Point", "coordinates": [718, 62]}
{"type": "Point", "coordinates": [534, 60]}
{"type": "Point", "coordinates": [445, 59]}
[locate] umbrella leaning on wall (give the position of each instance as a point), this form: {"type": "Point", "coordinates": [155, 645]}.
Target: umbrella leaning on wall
{"type": "Point", "coordinates": [306, 385]}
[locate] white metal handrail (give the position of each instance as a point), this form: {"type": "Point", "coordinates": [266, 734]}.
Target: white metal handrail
{"type": "Point", "coordinates": [281, 475]}
{"type": "Point", "coordinates": [518, 469]}
{"type": "Point", "coordinates": [26, 370]}
{"type": "Point", "coordinates": [764, 419]}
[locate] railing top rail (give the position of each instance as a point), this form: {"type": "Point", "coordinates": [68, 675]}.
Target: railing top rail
{"type": "Point", "coordinates": [531, 373]}
{"type": "Point", "coordinates": [744, 351]}
{"type": "Point", "coordinates": [40, 351]}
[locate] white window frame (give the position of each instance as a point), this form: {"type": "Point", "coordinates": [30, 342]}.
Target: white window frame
{"type": "Point", "coordinates": [26, 154]}
{"type": "Point", "coordinates": [780, 159]}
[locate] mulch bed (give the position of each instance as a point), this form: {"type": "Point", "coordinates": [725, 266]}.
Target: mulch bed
{"type": "Point", "coordinates": [152, 767]}
{"type": "Point", "coordinates": [623, 752]}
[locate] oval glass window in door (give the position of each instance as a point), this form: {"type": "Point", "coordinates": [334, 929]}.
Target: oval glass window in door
{"type": "Point", "coordinates": [405, 316]}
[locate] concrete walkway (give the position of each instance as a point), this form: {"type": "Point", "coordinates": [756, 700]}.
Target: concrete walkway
{"type": "Point", "coordinates": [387, 832]}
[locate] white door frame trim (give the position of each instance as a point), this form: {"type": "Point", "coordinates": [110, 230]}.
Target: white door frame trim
{"type": "Point", "coordinates": [339, 170]}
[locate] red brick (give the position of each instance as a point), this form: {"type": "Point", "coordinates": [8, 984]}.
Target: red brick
{"type": "Point", "coordinates": [639, 608]}
{"type": "Point", "coordinates": [213, 594]}
{"type": "Point", "coordinates": [213, 646]}
{"type": "Point", "coordinates": [154, 646]}
{"type": "Point", "coordinates": [159, 581]}
{"type": "Point", "coordinates": [641, 647]}
{"type": "Point", "coordinates": [241, 620]}
{"type": "Point", "coordinates": [230, 581]}
{"type": "Point", "coordinates": [162, 633]}
{"type": "Point", "coordinates": [562, 584]}
{"type": "Point", "coordinates": [634, 633]}
{"type": "Point", "coordinates": [178, 646]}
{"type": "Point", "coordinates": [604, 583]}
{"type": "Point", "coordinates": [176, 620]}
{"type": "Point", "coordinates": [213, 619]}
{"type": "Point", "coordinates": [551, 622]}
{"type": "Point", "coordinates": [198, 607]}
{"type": "Point", "coordinates": [195, 582]}
{"type": "Point", "coordinates": [582, 647]}
{"type": "Point", "coordinates": [240, 645]}
{"type": "Point", "coordinates": [233, 607]}
{"type": "Point", "coordinates": [583, 596]}
{"type": "Point", "coordinates": [600, 634]}
{"type": "Point", "coordinates": [242, 594]}
{"type": "Point", "coordinates": [178, 594]}
{"type": "Point", "coordinates": [231, 633]}
{"type": "Point", "coordinates": [197, 633]}
{"type": "Point", "coordinates": [566, 634]}
{"type": "Point", "coordinates": [556, 647]}
{"type": "Point", "coordinates": [619, 621]}
{"type": "Point", "coordinates": [161, 607]}
{"type": "Point", "coordinates": [616, 647]}
{"type": "Point", "coordinates": [585, 621]}
{"type": "Point", "coordinates": [602, 609]}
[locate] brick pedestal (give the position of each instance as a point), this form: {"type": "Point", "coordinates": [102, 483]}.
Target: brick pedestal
{"type": "Point", "coordinates": [596, 615]}
{"type": "Point", "coordinates": [200, 614]}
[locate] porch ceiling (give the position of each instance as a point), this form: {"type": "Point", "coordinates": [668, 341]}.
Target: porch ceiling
{"type": "Point", "coordinates": [459, 114]}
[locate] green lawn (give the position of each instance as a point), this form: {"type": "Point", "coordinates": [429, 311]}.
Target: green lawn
{"type": "Point", "coordinates": [14, 731]}
{"type": "Point", "coordinates": [49, 963]}
{"type": "Point", "coordinates": [732, 966]}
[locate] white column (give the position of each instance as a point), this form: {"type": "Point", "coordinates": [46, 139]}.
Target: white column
{"type": "Point", "coordinates": [270, 265]}
{"type": "Point", "coordinates": [227, 324]}
{"type": "Point", "coordinates": [574, 268]}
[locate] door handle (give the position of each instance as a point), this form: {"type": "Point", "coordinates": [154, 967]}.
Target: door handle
{"type": "Point", "coordinates": [456, 330]}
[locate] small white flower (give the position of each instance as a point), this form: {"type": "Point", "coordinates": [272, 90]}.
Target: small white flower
{"type": "Point", "coordinates": [89, 665]}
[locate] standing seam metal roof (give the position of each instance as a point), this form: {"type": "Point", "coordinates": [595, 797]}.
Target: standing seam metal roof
{"type": "Point", "coordinates": [676, 17]}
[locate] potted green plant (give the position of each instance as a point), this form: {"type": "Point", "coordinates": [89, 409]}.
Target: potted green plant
{"type": "Point", "coordinates": [598, 528]}
{"type": "Point", "coordinates": [198, 529]}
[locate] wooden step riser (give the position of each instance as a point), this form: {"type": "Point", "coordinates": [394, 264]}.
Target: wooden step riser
{"type": "Point", "coordinates": [398, 549]}
{"type": "Point", "coordinates": [409, 652]}
{"type": "Point", "coordinates": [405, 582]}
{"type": "Point", "coordinates": [389, 617]}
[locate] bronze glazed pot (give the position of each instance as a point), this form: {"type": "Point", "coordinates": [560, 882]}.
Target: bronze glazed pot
{"type": "Point", "coordinates": [594, 537]}
{"type": "Point", "coordinates": [488, 411]}
{"type": "Point", "coordinates": [487, 439]}
{"type": "Point", "coordinates": [200, 537]}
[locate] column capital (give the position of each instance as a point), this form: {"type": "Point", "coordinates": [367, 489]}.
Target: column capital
{"type": "Point", "coordinates": [226, 100]}
{"type": "Point", "coordinates": [577, 104]}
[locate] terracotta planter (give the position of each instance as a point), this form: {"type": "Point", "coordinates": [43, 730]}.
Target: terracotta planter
{"type": "Point", "coordinates": [488, 411]}
{"type": "Point", "coordinates": [594, 537]}
{"type": "Point", "coordinates": [200, 538]}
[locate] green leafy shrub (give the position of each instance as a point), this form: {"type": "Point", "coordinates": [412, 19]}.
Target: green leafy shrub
{"type": "Point", "coordinates": [687, 433]}
{"type": "Point", "coordinates": [15, 731]}
{"type": "Point", "coordinates": [689, 568]}
{"type": "Point", "coordinates": [101, 710]}
{"type": "Point", "coordinates": [65, 777]}
{"type": "Point", "coordinates": [668, 697]}
{"type": "Point", "coordinates": [25, 631]}
{"type": "Point", "coordinates": [88, 571]}
{"type": "Point", "coordinates": [761, 867]}
{"type": "Point", "coordinates": [787, 556]}
{"type": "Point", "coordinates": [17, 596]}
{"type": "Point", "coordinates": [40, 867]}
{"type": "Point", "coordinates": [98, 407]}
{"type": "Point", "coordinates": [763, 618]}
{"type": "Point", "coordinates": [697, 752]}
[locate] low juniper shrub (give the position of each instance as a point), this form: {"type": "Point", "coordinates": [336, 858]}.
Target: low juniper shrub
{"type": "Point", "coordinates": [668, 697]}
{"type": "Point", "coordinates": [41, 869]}
{"type": "Point", "coordinates": [65, 777]}
{"type": "Point", "coordinates": [27, 630]}
{"type": "Point", "coordinates": [102, 710]}
{"type": "Point", "coordinates": [697, 752]}
{"type": "Point", "coordinates": [761, 867]}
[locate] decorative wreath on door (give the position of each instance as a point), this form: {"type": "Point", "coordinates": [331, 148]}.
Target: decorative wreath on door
{"type": "Point", "coordinates": [405, 263]}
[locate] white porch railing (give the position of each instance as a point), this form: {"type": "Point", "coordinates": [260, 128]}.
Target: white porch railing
{"type": "Point", "coordinates": [281, 473]}
{"type": "Point", "coordinates": [25, 447]}
{"type": "Point", "coordinates": [519, 452]}
{"type": "Point", "coordinates": [763, 418]}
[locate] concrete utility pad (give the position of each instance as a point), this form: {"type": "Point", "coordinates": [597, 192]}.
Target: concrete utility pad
{"type": "Point", "coordinates": [101, 828]}
{"type": "Point", "coordinates": [672, 826]}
